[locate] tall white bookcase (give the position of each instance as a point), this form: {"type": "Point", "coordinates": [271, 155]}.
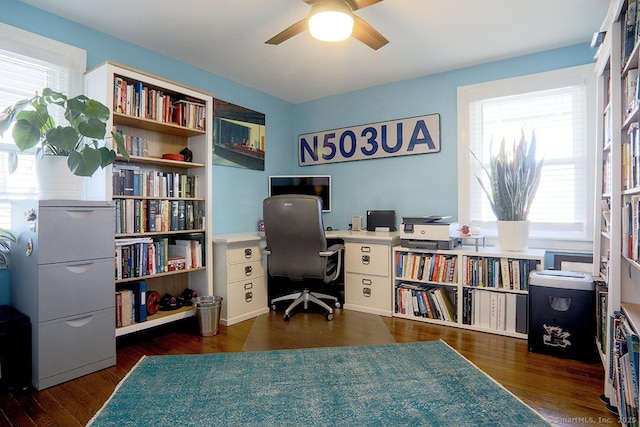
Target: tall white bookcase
{"type": "Point", "coordinates": [161, 117]}
{"type": "Point", "coordinates": [618, 179]}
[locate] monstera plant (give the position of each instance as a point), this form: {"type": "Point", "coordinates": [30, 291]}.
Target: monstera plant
{"type": "Point", "coordinates": [81, 139]}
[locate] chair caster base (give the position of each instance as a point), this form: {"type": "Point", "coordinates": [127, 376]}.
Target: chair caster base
{"type": "Point", "coordinates": [286, 317]}
{"type": "Point", "coordinates": [329, 316]}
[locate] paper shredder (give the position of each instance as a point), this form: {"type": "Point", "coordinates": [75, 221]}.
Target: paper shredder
{"type": "Point", "coordinates": [562, 314]}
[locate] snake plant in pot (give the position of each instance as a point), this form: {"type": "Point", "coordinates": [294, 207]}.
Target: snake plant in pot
{"type": "Point", "coordinates": [513, 176]}
{"type": "Point", "coordinates": [79, 143]}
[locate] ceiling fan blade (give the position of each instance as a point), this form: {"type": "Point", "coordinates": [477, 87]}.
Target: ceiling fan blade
{"type": "Point", "coordinates": [361, 4]}
{"type": "Point", "coordinates": [367, 34]}
{"type": "Point", "coordinates": [289, 32]}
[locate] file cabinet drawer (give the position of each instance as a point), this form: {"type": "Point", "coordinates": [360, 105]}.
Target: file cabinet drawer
{"type": "Point", "coordinates": [72, 342]}
{"type": "Point", "coordinates": [236, 272]}
{"type": "Point", "coordinates": [246, 296]}
{"type": "Point", "coordinates": [367, 258]}
{"type": "Point", "coordinates": [75, 233]}
{"type": "Point", "coordinates": [73, 288]}
{"type": "Point", "coordinates": [368, 291]}
{"type": "Point", "coordinates": [244, 254]}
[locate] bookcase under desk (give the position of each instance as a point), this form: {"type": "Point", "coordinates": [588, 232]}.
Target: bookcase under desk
{"type": "Point", "coordinates": [484, 290]}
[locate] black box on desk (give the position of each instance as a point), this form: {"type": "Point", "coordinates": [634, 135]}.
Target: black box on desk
{"type": "Point", "coordinates": [15, 349]}
{"type": "Point", "coordinates": [562, 314]}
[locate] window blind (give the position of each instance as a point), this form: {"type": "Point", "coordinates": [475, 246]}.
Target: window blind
{"type": "Point", "coordinates": [559, 118]}
{"type": "Point", "coordinates": [29, 63]}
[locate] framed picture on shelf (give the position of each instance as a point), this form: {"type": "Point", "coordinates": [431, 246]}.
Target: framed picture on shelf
{"type": "Point", "coordinates": [238, 136]}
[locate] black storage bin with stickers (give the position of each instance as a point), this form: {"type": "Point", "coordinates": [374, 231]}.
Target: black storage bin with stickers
{"type": "Point", "coordinates": [562, 314]}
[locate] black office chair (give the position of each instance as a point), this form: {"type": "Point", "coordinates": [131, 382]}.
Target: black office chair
{"type": "Point", "coordinates": [297, 248]}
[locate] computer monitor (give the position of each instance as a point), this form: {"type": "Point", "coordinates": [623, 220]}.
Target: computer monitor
{"type": "Point", "coordinates": [314, 185]}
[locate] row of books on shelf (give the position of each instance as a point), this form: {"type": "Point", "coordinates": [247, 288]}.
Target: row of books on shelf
{"type": "Point", "coordinates": [144, 256]}
{"type": "Point", "coordinates": [630, 92]}
{"type": "Point", "coordinates": [602, 313]}
{"type": "Point", "coordinates": [139, 100]}
{"type": "Point", "coordinates": [131, 180]}
{"type": "Point", "coordinates": [631, 228]}
{"type": "Point", "coordinates": [134, 145]}
{"type": "Point", "coordinates": [499, 311]}
{"type": "Point", "coordinates": [490, 272]}
{"type": "Point", "coordinates": [631, 29]}
{"type": "Point", "coordinates": [131, 304]}
{"type": "Point", "coordinates": [623, 368]}
{"type": "Point", "coordinates": [427, 267]}
{"type": "Point", "coordinates": [631, 159]}
{"type": "Point", "coordinates": [606, 173]}
{"type": "Point", "coordinates": [432, 302]}
{"type": "Point", "coordinates": [154, 215]}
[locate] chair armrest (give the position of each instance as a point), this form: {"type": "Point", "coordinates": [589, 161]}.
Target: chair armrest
{"type": "Point", "coordinates": [266, 251]}
{"type": "Point", "coordinates": [333, 249]}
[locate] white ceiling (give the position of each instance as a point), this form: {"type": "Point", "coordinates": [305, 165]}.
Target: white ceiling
{"type": "Point", "coordinates": [226, 37]}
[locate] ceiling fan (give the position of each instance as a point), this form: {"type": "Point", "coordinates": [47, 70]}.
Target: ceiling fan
{"type": "Point", "coordinates": [361, 29]}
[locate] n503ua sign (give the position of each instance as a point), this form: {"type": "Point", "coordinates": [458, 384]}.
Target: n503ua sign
{"type": "Point", "coordinates": [404, 137]}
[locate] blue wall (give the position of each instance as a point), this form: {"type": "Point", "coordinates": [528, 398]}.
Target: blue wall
{"type": "Point", "coordinates": [416, 185]}
{"type": "Point", "coordinates": [238, 192]}
{"type": "Point", "coordinates": [412, 185]}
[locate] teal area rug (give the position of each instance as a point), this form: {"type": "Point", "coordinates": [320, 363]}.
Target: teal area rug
{"type": "Point", "coordinates": [417, 384]}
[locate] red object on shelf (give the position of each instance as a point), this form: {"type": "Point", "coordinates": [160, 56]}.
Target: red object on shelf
{"type": "Point", "coordinates": [170, 156]}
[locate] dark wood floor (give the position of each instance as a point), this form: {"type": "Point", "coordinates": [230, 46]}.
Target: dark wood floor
{"type": "Point", "coordinates": [565, 392]}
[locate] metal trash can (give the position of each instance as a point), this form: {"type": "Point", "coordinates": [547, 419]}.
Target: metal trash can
{"type": "Point", "coordinates": [208, 314]}
{"type": "Point", "coordinates": [562, 314]}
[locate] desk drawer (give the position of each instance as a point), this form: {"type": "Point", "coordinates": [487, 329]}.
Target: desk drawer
{"type": "Point", "coordinates": [368, 291]}
{"type": "Point", "coordinates": [247, 270]}
{"type": "Point", "coordinates": [246, 296]}
{"type": "Point", "coordinates": [244, 254]}
{"type": "Point", "coordinates": [366, 258]}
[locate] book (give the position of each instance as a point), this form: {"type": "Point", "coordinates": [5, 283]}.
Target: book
{"type": "Point", "coordinates": [126, 307]}
{"type": "Point", "coordinates": [140, 297]}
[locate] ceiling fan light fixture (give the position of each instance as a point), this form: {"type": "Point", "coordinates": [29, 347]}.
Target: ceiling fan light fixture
{"type": "Point", "coordinates": [331, 21]}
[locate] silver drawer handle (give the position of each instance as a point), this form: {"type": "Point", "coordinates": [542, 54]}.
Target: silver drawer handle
{"type": "Point", "coordinates": [248, 253]}
{"type": "Point", "coordinates": [366, 292]}
{"type": "Point", "coordinates": [248, 270]}
{"type": "Point", "coordinates": [79, 268]}
{"type": "Point", "coordinates": [79, 213]}
{"type": "Point", "coordinates": [248, 297]}
{"type": "Point", "coordinates": [366, 259]}
{"type": "Point", "coordinates": [80, 322]}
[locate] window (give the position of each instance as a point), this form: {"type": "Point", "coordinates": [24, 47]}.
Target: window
{"type": "Point", "coordinates": [555, 105]}
{"type": "Point", "coordinates": [29, 63]}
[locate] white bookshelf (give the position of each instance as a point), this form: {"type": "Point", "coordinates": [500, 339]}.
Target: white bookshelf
{"type": "Point", "coordinates": [159, 135]}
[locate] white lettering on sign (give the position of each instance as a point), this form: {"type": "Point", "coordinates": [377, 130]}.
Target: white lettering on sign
{"type": "Point", "coordinates": [404, 137]}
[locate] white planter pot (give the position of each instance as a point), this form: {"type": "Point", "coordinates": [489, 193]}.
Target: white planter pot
{"type": "Point", "coordinates": [55, 180]}
{"type": "Point", "coordinates": [513, 235]}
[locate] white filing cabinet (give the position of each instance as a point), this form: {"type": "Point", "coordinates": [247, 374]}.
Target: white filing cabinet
{"type": "Point", "coordinates": [368, 267]}
{"type": "Point", "coordinates": [239, 276]}
{"type": "Point", "coordinates": [62, 278]}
